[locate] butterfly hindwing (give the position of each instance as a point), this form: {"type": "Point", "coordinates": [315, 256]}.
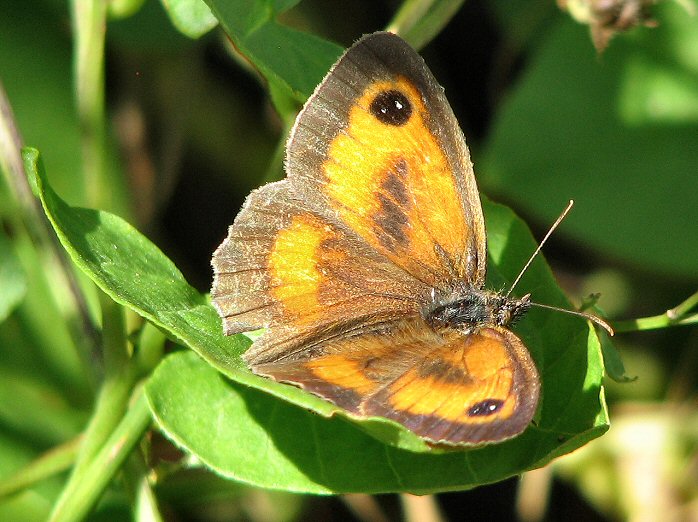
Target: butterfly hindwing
{"type": "Point", "coordinates": [448, 389]}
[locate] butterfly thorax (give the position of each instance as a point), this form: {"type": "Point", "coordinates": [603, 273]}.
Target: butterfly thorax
{"type": "Point", "coordinates": [469, 308]}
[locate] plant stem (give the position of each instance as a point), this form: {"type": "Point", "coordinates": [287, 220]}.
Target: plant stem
{"type": "Point", "coordinates": [419, 21]}
{"type": "Point", "coordinates": [54, 461]}
{"type": "Point", "coordinates": [420, 508]}
{"type": "Point", "coordinates": [121, 375]}
{"type": "Point", "coordinates": [80, 495]}
{"type": "Point", "coordinates": [82, 330]}
{"type": "Point", "coordinates": [683, 308]}
{"type": "Point", "coordinates": [143, 500]}
{"type": "Point", "coordinates": [119, 380]}
{"type": "Point", "coordinates": [89, 26]}
{"type": "Point", "coordinates": [676, 316]}
{"type": "Point", "coordinates": [113, 335]}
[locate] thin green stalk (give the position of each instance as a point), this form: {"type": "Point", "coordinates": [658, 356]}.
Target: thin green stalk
{"type": "Point", "coordinates": [54, 461]}
{"type": "Point", "coordinates": [31, 218]}
{"type": "Point", "coordinates": [80, 496]}
{"type": "Point", "coordinates": [119, 379]}
{"type": "Point", "coordinates": [677, 316]}
{"type": "Point", "coordinates": [652, 323]}
{"type": "Point", "coordinates": [419, 21]}
{"type": "Point", "coordinates": [114, 341]}
{"type": "Point", "coordinates": [150, 347]}
{"type": "Point", "coordinates": [89, 27]}
{"type": "Point", "coordinates": [683, 308]}
{"type": "Point", "coordinates": [143, 500]}
{"type": "Point", "coordinates": [121, 375]}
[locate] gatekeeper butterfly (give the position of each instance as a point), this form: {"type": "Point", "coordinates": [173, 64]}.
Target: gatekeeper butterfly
{"type": "Point", "coordinates": [367, 263]}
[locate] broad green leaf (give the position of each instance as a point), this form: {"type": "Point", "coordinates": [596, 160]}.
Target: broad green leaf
{"type": "Point", "coordinates": [242, 432]}
{"type": "Point", "coordinates": [192, 18]}
{"type": "Point", "coordinates": [247, 435]}
{"type": "Point", "coordinates": [135, 273]}
{"type": "Point", "coordinates": [617, 133]}
{"type": "Point", "coordinates": [292, 60]}
{"type": "Point", "coordinates": [613, 362]}
{"type": "Point", "coordinates": [13, 284]}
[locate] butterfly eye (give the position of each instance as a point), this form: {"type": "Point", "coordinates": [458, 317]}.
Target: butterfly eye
{"type": "Point", "coordinates": [485, 408]}
{"type": "Point", "coordinates": [391, 107]}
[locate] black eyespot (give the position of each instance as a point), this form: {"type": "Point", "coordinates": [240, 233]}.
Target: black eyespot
{"type": "Point", "coordinates": [485, 408]}
{"type": "Point", "coordinates": [391, 107]}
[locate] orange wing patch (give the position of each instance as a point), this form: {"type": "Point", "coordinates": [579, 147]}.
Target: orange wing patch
{"type": "Point", "coordinates": [295, 277]}
{"type": "Point", "coordinates": [314, 276]}
{"type": "Point", "coordinates": [342, 372]}
{"type": "Point", "coordinates": [393, 185]}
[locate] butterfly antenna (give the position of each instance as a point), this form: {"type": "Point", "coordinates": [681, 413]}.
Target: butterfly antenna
{"type": "Point", "coordinates": [596, 320]}
{"type": "Point", "coordinates": [540, 245]}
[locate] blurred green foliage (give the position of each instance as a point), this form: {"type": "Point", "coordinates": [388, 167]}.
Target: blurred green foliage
{"type": "Point", "coordinates": [195, 119]}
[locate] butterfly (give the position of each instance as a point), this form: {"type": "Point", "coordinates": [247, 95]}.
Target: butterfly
{"type": "Point", "coordinates": [367, 263]}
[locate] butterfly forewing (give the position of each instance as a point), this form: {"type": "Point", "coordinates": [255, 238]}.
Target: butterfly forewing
{"type": "Point", "coordinates": [303, 276]}
{"type": "Point", "coordinates": [379, 145]}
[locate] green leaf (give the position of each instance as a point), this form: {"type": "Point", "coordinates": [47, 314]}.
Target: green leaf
{"type": "Point", "coordinates": [613, 361]}
{"type": "Point", "coordinates": [419, 21]}
{"type": "Point", "coordinates": [192, 18]}
{"type": "Point", "coordinates": [253, 436]}
{"type": "Point", "coordinates": [13, 284]}
{"type": "Point", "coordinates": [121, 261]}
{"type": "Point", "coordinates": [247, 435]}
{"type": "Point", "coordinates": [293, 61]}
{"type": "Point", "coordinates": [617, 133]}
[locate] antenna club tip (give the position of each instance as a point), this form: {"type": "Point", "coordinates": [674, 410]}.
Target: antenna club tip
{"type": "Point", "coordinates": [603, 324]}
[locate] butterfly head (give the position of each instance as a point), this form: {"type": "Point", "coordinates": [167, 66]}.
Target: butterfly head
{"type": "Point", "coordinates": [507, 310]}
{"type": "Point", "coordinates": [468, 308]}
